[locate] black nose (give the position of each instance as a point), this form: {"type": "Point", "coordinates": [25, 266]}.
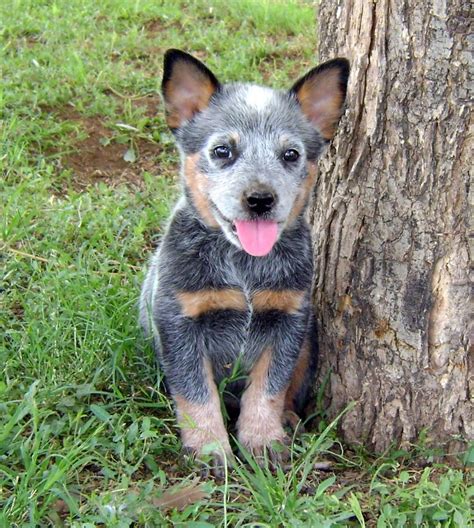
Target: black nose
{"type": "Point", "coordinates": [260, 202]}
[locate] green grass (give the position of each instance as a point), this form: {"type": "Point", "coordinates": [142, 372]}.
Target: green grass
{"type": "Point", "coordinates": [86, 436]}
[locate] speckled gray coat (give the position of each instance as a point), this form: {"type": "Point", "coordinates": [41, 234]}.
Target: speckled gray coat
{"type": "Point", "coordinates": [206, 303]}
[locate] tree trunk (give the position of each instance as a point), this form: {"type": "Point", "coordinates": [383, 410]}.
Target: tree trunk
{"type": "Point", "coordinates": [390, 223]}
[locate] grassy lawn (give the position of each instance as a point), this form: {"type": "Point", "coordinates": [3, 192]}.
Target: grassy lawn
{"type": "Point", "coordinates": [88, 175]}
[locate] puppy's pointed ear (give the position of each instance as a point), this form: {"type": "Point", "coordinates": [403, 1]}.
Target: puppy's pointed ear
{"type": "Point", "coordinates": [187, 87]}
{"type": "Point", "coordinates": [321, 94]}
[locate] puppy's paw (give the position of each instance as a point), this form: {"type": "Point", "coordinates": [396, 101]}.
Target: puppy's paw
{"type": "Point", "coordinates": [211, 459]}
{"type": "Point", "coordinates": [266, 443]}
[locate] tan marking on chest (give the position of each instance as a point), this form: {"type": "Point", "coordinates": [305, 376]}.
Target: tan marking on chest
{"type": "Point", "coordinates": [289, 301]}
{"type": "Point", "coordinates": [194, 304]}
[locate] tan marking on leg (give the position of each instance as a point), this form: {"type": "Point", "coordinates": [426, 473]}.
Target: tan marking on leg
{"type": "Point", "coordinates": [289, 301]}
{"type": "Point", "coordinates": [194, 304]}
{"type": "Point", "coordinates": [260, 419]}
{"type": "Point", "coordinates": [202, 424]}
{"type": "Point", "coordinates": [198, 183]}
{"type": "Point", "coordinates": [305, 190]}
{"type": "Point", "coordinates": [301, 368]}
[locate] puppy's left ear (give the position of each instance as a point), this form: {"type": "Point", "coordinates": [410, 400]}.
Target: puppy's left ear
{"type": "Point", "coordinates": [321, 94]}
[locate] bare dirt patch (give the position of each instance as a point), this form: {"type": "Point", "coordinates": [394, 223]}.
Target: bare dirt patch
{"type": "Point", "coordinates": [17, 310]}
{"type": "Point", "coordinates": [152, 104]}
{"type": "Point", "coordinates": [98, 158]}
{"type": "Point", "coordinates": [155, 26]}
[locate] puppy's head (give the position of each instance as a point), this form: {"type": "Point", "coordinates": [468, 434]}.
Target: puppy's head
{"type": "Point", "coordinates": [249, 152]}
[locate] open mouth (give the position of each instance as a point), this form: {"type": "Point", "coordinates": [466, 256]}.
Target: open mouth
{"type": "Point", "coordinates": [256, 236]}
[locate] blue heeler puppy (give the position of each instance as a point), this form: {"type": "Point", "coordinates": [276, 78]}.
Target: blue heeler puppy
{"type": "Point", "coordinates": [231, 280]}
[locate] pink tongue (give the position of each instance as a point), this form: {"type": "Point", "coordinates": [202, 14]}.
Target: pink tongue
{"type": "Point", "coordinates": [257, 236]}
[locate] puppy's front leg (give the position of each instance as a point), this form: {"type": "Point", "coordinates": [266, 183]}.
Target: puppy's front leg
{"type": "Point", "coordinates": [201, 421]}
{"type": "Point", "coordinates": [278, 329]}
{"type": "Point", "coordinates": [260, 420]}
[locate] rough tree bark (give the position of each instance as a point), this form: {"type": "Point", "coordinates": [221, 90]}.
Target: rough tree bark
{"type": "Point", "coordinates": [390, 222]}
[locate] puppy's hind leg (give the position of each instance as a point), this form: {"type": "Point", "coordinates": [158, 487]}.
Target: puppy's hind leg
{"type": "Point", "coordinates": [297, 398]}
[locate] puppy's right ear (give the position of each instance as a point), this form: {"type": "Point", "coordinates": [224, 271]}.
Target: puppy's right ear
{"type": "Point", "coordinates": [187, 87]}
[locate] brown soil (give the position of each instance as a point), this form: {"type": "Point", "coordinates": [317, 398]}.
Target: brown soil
{"type": "Point", "coordinates": [17, 310]}
{"type": "Point", "coordinates": [155, 26]}
{"type": "Point", "coordinates": [92, 161]}
{"type": "Point", "coordinates": [152, 104]}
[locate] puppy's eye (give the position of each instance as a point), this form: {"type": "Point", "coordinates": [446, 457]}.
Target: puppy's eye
{"type": "Point", "coordinates": [291, 155]}
{"type": "Point", "coordinates": [223, 152]}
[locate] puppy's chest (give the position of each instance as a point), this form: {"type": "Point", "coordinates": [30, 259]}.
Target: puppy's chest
{"type": "Point", "coordinates": [251, 276]}
{"type": "Point", "coordinates": [266, 294]}
{"type": "Point", "coordinates": [263, 285]}
{"type": "Point", "coordinates": [245, 297]}
{"type": "Point", "coordinates": [220, 277]}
